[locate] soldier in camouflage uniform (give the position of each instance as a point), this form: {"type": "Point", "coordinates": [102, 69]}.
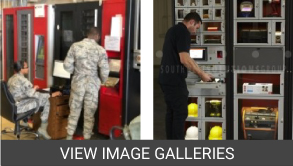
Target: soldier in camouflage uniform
{"type": "Point", "coordinates": [22, 89]}
{"type": "Point", "coordinates": [85, 59]}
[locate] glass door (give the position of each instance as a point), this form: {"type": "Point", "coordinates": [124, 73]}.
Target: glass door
{"type": "Point", "coordinates": [207, 13]}
{"type": "Point", "coordinates": [272, 9]}
{"type": "Point", "coordinates": [9, 45]}
{"type": "Point", "coordinates": [90, 15]}
{"type": "Point", "coordinates": [182, 3]}
{"type": "Point", "coordinates": [194, 3]}
{"type": "Point", "coordinates": [258, 118]}
{"type": "Point", "coordinates": [213, 26]}
{"type": "Point", "coordinates": [207, 3]}
{"type": "Point", "coordinates": [65, 29]}
{"type": "Point", "coordinates": [219, 3]}
{"type": "Point", "coordinates": [24, 33]}
{"type": "Point", "coordinates": [67, 32]}
{"type": "Point", "coordinates": [252, 32]}
{"type": "Point", "coordinates": [246, 9]}
{"type": "Point", "coordinates": [213, 39]}
{"type": "Point", "coordinates": [214, 130]}
{"type": "Point", "coordinates": [214, 107]}
{"type": "Point", "coordinates": [278, 32]}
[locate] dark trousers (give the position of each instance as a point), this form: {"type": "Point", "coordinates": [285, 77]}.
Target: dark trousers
{"type": "Point", "coordinates": [176, 98]}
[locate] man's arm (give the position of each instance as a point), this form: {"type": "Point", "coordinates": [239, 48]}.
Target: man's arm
{"type": "Point", "coordinates": [69, 60]}
{"type": "Point", "coordinates": [191, 65]}
{"type": "Point", "coordinates": [104, 67]}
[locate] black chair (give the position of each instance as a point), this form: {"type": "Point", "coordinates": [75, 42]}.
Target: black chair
{"type": "Point", "coordinates": [9, 111]}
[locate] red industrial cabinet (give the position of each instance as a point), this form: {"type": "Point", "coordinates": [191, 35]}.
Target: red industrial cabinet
{"type": "Point", "coordinates": [29, 38]}
{"type": "Point", "coordinates": [110, 104]}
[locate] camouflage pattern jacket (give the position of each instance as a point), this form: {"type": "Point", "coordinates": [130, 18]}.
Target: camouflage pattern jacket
{"type": "Point", "coordinates": [87, 60]}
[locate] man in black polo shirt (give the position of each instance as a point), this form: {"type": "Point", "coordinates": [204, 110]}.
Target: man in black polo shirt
{"type": "Point", "coordinates": [175, 62]}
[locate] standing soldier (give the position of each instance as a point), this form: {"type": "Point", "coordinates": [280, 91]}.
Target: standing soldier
{"type": "Point", "coordinates": [21, 88]}
{"type": "Point", "coordinates": [84, 60]}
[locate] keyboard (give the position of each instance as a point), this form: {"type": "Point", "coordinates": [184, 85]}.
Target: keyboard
{"type": "Point", "coordinates": [45, 90]}
{"type": "Point", "coordinates": [65, 90]}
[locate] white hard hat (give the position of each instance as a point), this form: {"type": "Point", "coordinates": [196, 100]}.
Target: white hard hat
{"type": "Point", "coordinates": [192, 133]}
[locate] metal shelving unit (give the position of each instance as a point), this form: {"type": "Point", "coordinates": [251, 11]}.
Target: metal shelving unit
{"type": "Point", "coordinates": [210, 97]}
{"type": "Point", "coordinates": [259, 57]}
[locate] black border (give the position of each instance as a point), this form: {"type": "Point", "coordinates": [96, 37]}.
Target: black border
{"type": "Point", "coordinates": [229, 21]}
{"type": "Point", "coordinates": [131, 81]}
{"type": "Point", "coordinates": [288, 72]}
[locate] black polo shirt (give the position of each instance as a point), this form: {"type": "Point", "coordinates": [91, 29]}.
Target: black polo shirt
{"type": "Point", "coordinates": [177, 40]}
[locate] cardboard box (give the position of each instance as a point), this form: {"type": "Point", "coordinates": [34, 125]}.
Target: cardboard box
{"type": "Point", "coordinates": [257, 88]}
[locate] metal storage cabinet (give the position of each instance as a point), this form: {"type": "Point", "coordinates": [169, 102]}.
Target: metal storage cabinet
{"type": "Point", "coordinates": [260, 32]}
{"type": "Point", "coordinates": [215, 13]}
{"type": "Point", "coordinates": [25, 35]}
{"type": "Point", "coordinates": [251, 32]}
{"type": "Point", "coordinates": [21, 33]}
{"type": "Point", "coordinates": [272, 9]}
{"type": "Point", "coordinates": [250, 101]}
{"type": "Point", "coordinates": [212, 27]}
{"type": "Point", "coordinates": [212, 39]}
{"type": "Point", "coordinates": [278, 32]}
{"type": "Point", "coordinates": [71, 23]}
{"type": "Point", "coordinates": [241, 8]}
{"type": "Point", "coordinates": [207, 125]}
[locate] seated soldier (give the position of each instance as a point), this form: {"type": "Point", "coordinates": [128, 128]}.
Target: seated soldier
{"type": "Point", "coordinates": [21, 88]}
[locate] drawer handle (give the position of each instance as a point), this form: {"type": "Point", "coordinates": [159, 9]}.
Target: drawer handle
{"type": "Point", "coordinates": [64, 116]}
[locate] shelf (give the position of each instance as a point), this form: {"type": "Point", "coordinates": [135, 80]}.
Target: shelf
{"type": "Point", "coordinates": [257, 95]}
{"type": "Point", "coordinates": [192, 119]}
{"type": "Point", "coordinates": [275, 81]}
{"type": "Point", "coordinates": [210, 119]}
{"type": "Point", "coordinates": [211, 125]}
{"type": "Point", "coordinates": [206, 85]}
{"type": "Point", "coordinates": [260, 129]}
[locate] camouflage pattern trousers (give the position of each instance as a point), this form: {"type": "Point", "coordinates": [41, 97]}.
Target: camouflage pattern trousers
{"type": "Point", "coordinates": [28, 104]}
{"type": "Point", "coordinates": [84, 94]}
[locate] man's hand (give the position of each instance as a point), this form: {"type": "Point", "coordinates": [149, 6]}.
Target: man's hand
{"type": "Point", "coordinates": [36, 87]}
{"type": "Point", "coordinates": [58, 93]}
{"type": "Point", "coordinates": [206, 77]}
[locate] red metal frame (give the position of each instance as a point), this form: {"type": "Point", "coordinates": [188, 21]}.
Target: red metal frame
{"type": "Point", "coordinates": [40, 28]}
{"type": "Point", "coordinates": [110, 104]}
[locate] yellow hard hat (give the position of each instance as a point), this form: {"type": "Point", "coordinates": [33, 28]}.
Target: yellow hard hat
{"type": "Point", "coordinates": [216, 133]}
{"type": "Point", "coordinates": [192, 110]}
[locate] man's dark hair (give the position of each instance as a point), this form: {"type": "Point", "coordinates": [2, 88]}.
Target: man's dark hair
{"type": "Point", "coordinates": [19, 65]}
{"type": "Point", "coordinates": [93, 31]}
{"type": "Point", "coordinates": [193, 16]}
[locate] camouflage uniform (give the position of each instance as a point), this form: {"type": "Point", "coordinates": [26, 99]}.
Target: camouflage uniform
{"type": "Point", "coordinates": [21, 88]}
{"type": "Point", "coordinates": [85, 59]}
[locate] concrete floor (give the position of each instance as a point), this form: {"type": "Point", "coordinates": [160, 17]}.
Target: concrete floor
{"type": "Point", "coordinates": [159, 109]}
{"type": "Point", "coordinates": [10, 136]}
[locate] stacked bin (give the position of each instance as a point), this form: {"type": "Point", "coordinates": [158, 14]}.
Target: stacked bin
{"type": "Point", "coordinates": [259, 57]}
{"type": "Point", "coordinates": [210, 97]}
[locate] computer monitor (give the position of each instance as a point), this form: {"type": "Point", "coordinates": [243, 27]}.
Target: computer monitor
{"type": "Point", "coordinates": [59, 70]}
{"type": "Point", "coordinates": [198, 53]}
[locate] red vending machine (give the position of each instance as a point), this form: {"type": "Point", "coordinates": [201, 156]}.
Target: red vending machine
{"type": "Point", "coordinates": [120, 103]}
{"type": "Point", "coordinates": [28, 35]}
{"type": "Point", "coordinates": [110, 103]}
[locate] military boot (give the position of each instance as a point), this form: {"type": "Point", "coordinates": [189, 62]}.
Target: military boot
{"type": "Point", "coordinates": [69, 137]}
{"type": "Point", "coordinates": [43, 130]}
